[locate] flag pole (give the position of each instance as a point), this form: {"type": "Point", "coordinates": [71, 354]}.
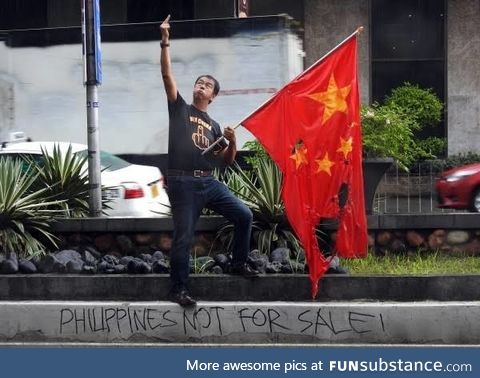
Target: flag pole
{"type": "Point", "coordinates": [358, 31]}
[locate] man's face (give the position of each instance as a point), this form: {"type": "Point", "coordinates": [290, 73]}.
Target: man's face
{"type": "Point", "coordinates": [204, 88]}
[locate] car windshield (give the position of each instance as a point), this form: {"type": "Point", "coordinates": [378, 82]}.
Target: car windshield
{"type": "Point", "coordinates": [108, 162]}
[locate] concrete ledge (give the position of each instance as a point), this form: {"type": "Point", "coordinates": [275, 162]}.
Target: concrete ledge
{"type": "Point", "coordinates": [212, 223]}
{"type": "Point", "coordinates": [424, 221]}
{"type": "Point", "coordinates": [285, 287]}
{"type": "Point", "coordinates": [130, 224]}
{"type": "Point", "coordinates": [242, 322]}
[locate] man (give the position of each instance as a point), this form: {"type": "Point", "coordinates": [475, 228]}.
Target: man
{"type": "Point", "coordinates": [191, 186]}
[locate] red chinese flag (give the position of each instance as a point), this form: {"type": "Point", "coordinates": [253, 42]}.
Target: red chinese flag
{"type": "Point", "coordinates": [311, 129]}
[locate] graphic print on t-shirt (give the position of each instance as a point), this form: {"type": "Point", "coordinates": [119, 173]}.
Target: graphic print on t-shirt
{"type": "Point", "coordinates": [200, 140]}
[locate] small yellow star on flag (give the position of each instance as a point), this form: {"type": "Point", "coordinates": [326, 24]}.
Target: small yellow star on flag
{"type": "Point", "coordinates": [300, 156]}
{"type": "Point", "coordinates": [345, 146]}
{"type": "Point", "coordinates": [324, 164]}
{"type": "Point", "coordinates": [334, 99]}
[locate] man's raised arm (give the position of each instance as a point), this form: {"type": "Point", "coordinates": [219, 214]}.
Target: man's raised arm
{"type": "Point", "coordinates": [165, 63]}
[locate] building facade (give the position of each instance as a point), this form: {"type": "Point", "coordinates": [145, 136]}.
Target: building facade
{"type": "Point", "coordinates": [434, 43]}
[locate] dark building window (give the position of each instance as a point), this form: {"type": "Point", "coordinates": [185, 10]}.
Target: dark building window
{"type": "Point", "coordinates": [30, 14]}
{"type": "Point", "coordinates": [23, 14]}
{"type": "Point", "coordinates": [408, 44]}
{"type": "Point", "coordinates": [155, 10]}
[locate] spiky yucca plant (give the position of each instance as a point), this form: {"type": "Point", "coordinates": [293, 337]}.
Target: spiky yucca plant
{"type": "Point", "coordinates": [261, 192]}
{"type": "Point", "coordinates": [24, 215]}
{"type": "Point", "coordinates": [66, 179]}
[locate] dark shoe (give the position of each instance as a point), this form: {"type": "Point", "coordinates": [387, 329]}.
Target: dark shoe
{"type": "Point", "coordinates": [334, 266]}
{"type": "Point", "coordinates": [245, 270]}
{"type": "Point", "coordinates": [337, 270]}
{"type": "Point", "coordinates": [183, 299]}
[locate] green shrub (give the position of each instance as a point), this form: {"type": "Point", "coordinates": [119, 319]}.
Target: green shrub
{"type": "Point", "coordinates": [390, 129]}
{"type": "Point", "coordinates": [386, 133]}
{"type": "Point", "coordinates": [421, 105]}
{"type": "Point", "coordinates": [433, 146]}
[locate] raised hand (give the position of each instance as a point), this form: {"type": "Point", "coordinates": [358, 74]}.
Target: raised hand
{"type": "Point", "coordinates": [165, 29]}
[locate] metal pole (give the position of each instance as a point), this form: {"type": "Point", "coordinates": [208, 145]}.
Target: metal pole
{"type": "Point", "coordinates": [92, 71]}
{"type": "Point", "coordinates": [94, 177]}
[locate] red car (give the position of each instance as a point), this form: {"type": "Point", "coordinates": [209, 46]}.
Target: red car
{"type": "Point", "coordinates": [459, 188]}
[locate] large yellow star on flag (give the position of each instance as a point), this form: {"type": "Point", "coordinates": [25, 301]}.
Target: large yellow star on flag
{"type": "Point", "coordinates": [324, 164]}
{"type": "Point", "coordinates": [345, 146]}
{"type": "Point", "coordinates": [300, 156]}
{"type": "Point", "coordinates": [334, 99]}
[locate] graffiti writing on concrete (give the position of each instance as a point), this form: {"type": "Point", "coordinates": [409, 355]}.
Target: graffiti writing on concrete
{"type": "Point", "coordinates": [217, 320]}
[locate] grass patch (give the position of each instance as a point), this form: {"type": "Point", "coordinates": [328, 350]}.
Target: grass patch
{"type": "Point", "coordinates": [413, 264]}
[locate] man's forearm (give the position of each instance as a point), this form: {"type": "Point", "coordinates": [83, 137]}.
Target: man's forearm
{"type": "Point", "coordinates": [165, 62]}
{"type": "Point", "coordinates": [229, 153]}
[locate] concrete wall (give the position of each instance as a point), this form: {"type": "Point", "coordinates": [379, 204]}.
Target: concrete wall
{"type": "Point", "coordinates": [330, 22]}
{"type": "Point", "coordinates": [463, 79]}
{"type": "Point", "coordinates": [42, 86]}
{"type": "Point", "coordinates": [240, 322]}
{"type": "Point", "coordinates": [7, 113]}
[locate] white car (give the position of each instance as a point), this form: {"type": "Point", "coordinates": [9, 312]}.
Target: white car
{"type": "Point", "coordinates": [134, 190]}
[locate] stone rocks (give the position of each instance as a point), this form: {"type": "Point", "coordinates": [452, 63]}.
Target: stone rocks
{"type": "Point", "coordinates": [282, 255]}
{"type": "Point", "coordinates": [50, 264]}
{"type": "Point", "coordinates": [145, 253]}
{"type": "Point", "coordinates": [144, 239]}
{"type": "Point", "coordinates": [88, 258]}
{"type": "Point", "coordinates": [436, 239]}
{"type": "Point", "coordinates": [472, 248]}
{"type": "Point", "coordinates": [9, 264]}
{"type": "Point", "coordinates": [216, 270]}
{"type": "Point", "coordinates": [383, 238]}
{"type": "Point", "coordinates": [415, 239]}
{"type": "Point", "coordinates": [164, 242]}
{"type": "Point", "coordinates": [398, 246]}
{"type": "Point", "coordinates": [160, 266]}
{"type": "Point", "coordinates": [222, 261]}
{"type": "Point", "coordinates": [138, 266]}
{"type": "Point", "coordinates": [259, 263]}
{"type": "Point", "coordinates": [68, 260]}
{"type": "Point", "coordinates": [457, 237]}
{"type": "Point", "coordinates": [74, 266]}
{"type": "Point", "coordinates": [67, 255]}
{"type": "Point", "coordinates": [158, 255]}
{"type": "Point", "coordinates": [26, 266]}
{"type": "Point", "coordinates": [125, 245]}
{"type": "Point", "coordinates": [273, 267]}
{"type": "Point", "coordinates": [90, 249]}
{"type": "Point", "coordinates": [104, 243]}
{"type": "Point", "coordinates": [146, 257]}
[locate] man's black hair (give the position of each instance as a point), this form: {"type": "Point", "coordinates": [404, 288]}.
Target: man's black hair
{"type": "Point", "coordinates": [216, 84]}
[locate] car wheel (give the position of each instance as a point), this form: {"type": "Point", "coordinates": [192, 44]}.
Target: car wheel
{"type": "Point", "coordinates": [475, 201]}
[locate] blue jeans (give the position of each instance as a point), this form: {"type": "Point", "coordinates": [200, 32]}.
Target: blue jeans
{"type": "Point", "coordinates": [188, 196]}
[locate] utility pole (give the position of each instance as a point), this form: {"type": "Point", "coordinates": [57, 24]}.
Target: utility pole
{"type": "Point", "coordinates": [92, 64]}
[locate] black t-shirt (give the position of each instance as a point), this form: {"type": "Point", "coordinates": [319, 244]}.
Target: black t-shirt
{"type": "Point", "coordinates": [191, 131]}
